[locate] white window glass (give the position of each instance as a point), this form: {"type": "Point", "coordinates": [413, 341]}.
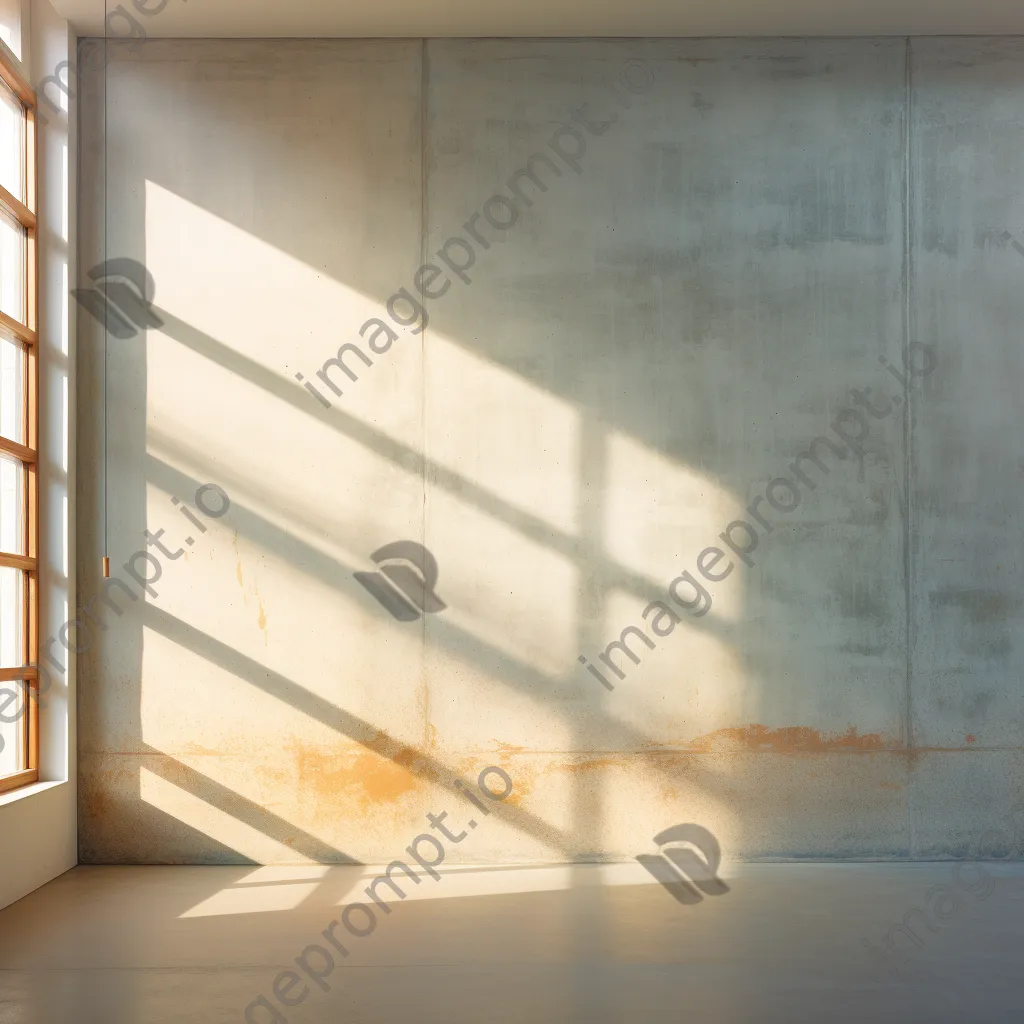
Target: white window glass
{"type": "Point", "coordinates": [12, 511]}
{"type": "Point", "coordinates": [12, 143]}
{"type": "Point", "coordinates": [12, 390]}
{"type": "Point", "coordinates": [10, 25]}
{"type": "Point", "coordinates": [12, 734]}
{"type": "Point", "coordinates": [12, 267]}
{"type": "Point", "coordinates": [11, 618]}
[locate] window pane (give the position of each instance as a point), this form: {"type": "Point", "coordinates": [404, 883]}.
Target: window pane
{"type": "Point", "coordinates": [12, 734]}
{"type": "Point", "coordinates": [12, 618]}
{"type": "Point", "coordinates": [12, 267]}
{"type": "Point", "coordinates": [12, 143]}
{"type": "Point", "coordinates": [12, 506]}
{"type": "Point", "coordinates": [10, 25]}
{"type": "Point", "coordinates": [12, 390]}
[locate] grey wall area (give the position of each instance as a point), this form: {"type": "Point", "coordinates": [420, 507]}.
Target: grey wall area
{"type": "Point", "coordinates": [707, 411]}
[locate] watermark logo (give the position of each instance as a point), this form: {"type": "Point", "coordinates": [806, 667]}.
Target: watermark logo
{"type": "Point", "coordinates": [122, 298]}
{"type": "Point", "coordinates": [1007, 237]}
{"type": "Point", "coordinates": [406, 581]}
{"type": "Point", "coordinates": [318, 962]}
{"type": "Point", "coordinates": [681, 870]}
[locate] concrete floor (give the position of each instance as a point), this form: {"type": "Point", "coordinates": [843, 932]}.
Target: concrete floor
{"type": "Point", "coordinates": [154, 945]}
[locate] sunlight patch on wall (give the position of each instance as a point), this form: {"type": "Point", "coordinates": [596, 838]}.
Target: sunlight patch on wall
{"type": "Point", "coordinates": [219, 384]}
{"type": "Point", "coordinates": [246, 293]}
{"type": "Point", "coordinates": [660, 515]}
{"type": "Point", "coordinates": [684, 684]}
{"type": "Point", "coordinates": [511, 593]}
{"type": "Point", "coordinates": [502, 434]}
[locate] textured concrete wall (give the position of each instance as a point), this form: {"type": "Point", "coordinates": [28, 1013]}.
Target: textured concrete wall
{"type": "Point", "coordinates": [729, 241]}
{"type": "Point", "coordinates": [265, 19]}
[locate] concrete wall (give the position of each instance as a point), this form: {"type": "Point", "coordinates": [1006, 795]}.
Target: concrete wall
{"type": "Point", "coordinates": [256, 19]}
{"type": "Point", "coordinates": [734, 237]}
{"type": "Point", "coordinates": [38, 823]}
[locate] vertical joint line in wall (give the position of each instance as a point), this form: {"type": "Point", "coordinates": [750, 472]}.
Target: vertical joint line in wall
{"type": "Point", "coordinates": [424, 122]}
{"type": "Point", "coordinates": [106, 305]}
{"type": "Point", "coordinates": [908, 420]}
{"type": "Point", "coordinates": [424, 222]}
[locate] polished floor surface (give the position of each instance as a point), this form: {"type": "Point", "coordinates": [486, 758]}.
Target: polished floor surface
{"type": "Point", "coordinates": [544, 945]}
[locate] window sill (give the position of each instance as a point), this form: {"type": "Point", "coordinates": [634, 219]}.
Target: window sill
{"type": "Point", "coordinates": [24, 792]}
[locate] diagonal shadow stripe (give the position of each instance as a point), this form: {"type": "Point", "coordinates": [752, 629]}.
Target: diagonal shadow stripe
{"type": "Point", "coordinates": [580, 550]}
{"type": "Point", "coordinates": [243, 809]}
{"type": "Point", "coordinates": [413, 760]}
{"type": "Point", "coordinates": [502, 666]}
{"type": "Point", "coordinates": [341, 577]}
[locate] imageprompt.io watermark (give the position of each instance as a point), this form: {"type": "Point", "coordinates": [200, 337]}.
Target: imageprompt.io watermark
{"type": "Point", "coordinates": [459, 253]}
{"type": "Point", "coordinates": [317, 961]}
{"type": "Point", "coordinates": [144, 568]}
{"type": "Point", "coordinates": [406, 580]}
{"type": "Point", "coordinates": [686, 592]}
{"type": "Point", "coordinates": [125, 311]}
{"type": "Point", "coordinates": [944, 904]}
{"type": "Point", "coordinates": [122, 300]}
{"type": "Point", "coordinates": [119, 24]}
{"type": "Point", "coordinates": [683, 873]}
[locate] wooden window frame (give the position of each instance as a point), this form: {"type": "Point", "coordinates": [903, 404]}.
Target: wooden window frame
{"type": "Point", "coordinates": [26, 333]}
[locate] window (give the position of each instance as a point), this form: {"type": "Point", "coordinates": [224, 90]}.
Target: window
{"type": "Point", "coordinates": [10, 25]}
{"type": "Point", "coordinates": [19, 432]}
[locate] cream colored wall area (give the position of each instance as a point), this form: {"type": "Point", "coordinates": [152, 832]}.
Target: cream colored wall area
{"type": "Point", "coordinates": [274, 194]}
{"type": "Point", "coordinates": [622, 356]}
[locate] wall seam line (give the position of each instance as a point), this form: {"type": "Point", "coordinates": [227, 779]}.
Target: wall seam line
{"type": "Point", "coordinates": [424, 226]}
{"type": "Point", "coordinates": [908, 421]}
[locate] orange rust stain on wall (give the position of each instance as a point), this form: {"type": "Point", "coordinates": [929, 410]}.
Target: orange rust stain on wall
{"type": "Point", "coordinates": [362, 779]}
{"type": "Point", "coordinates": [190, 749]}
{"type": "Point", "coordinates": [971, 739]}
{"type": "Point", "coordinates": [796, 739]}
{"type": "Point", "coordinates": [590, 765]}
{"type": "Point", "coordinates": [416, 761]}
{"type": "Point", "coordinates": [262, 620]}
{"type": "Point", "coordinates": [383, 781]}
{"type": "Point", "coordinates": [522, 775]}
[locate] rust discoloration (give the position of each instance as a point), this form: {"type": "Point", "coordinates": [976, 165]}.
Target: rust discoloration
{"type": "Point", "coordinates": [261, 619]}
{"type": "Point", "coordinates": [192, 749]}
{"type": "Point", "coordinates": [523, 772]}
{"type": "Point", "coordinates": [971, 739]}
{"type": "Point", "coordinates": [591, 764]}
{"type": "Point", "coordinates": [797, 739]}
{"type": "Point", "coordinates": [507, 748]}
{"type": "Point", "coordinates": [360, 778]}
